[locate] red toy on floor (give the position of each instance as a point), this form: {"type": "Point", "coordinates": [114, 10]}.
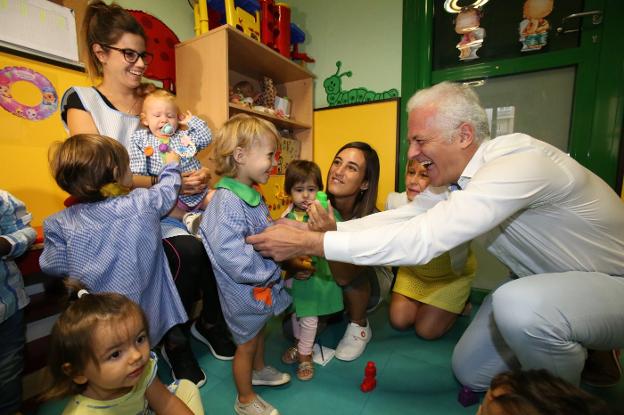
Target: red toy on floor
{"type": "Point", "coordinates": [369, 383]}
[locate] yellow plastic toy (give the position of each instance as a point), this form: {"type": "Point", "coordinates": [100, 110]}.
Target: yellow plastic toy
{"type": "Point", "coordinates": [242, 20]}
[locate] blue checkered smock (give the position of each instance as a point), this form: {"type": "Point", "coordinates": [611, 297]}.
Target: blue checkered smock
{"type": "Point", "coordinates": [198, 133]}
{"type": "Point", "coordinates": [238, 268]}
{"type": "Point", "coordinates": [115, 246]}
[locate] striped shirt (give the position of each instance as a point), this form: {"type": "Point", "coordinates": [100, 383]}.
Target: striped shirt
{"type": "Point", "coordinates": [238, 268]}
{"type": "Point", "coordinates": [140, 163]}
{"type": "Point", "coordinates": [15, 228]}
{"type": "Point", "coordinates": [108, 121]}
{"type": "Point", "coordinates": [115, 246]}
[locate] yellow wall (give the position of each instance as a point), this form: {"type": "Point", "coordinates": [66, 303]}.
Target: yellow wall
{"type": "Point", "coordinates": [24, 143]}
{"type": "Point", "coordinates": [373, 123]}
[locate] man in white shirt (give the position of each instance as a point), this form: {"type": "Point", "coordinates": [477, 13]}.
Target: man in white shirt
{"type": "Point", "coordinates": [554, 223]}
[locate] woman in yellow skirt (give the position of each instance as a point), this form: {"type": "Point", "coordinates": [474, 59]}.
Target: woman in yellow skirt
{"type": "Point", "coordinates": [430, 297]}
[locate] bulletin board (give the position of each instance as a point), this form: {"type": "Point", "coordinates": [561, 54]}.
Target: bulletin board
{"type": "Point", "coordinates": [375, 123]}
{"type": "Point", "coordinates": [24, 142]}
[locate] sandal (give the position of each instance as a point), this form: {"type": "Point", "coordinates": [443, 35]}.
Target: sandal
{"type": "Point", "coordinates": [305, 370]}
{"type": "Point", "coordinates": [290, 356]}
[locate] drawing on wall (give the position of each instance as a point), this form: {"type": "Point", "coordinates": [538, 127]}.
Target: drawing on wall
{"type": "Point", "coordinates": [467, 25]}
{"type": "Point", "coordinates": [337, 96]}
{"type": "Point", "coordinates": [534, 28]}
{"type": "Point", "coordinates": [49, 98]}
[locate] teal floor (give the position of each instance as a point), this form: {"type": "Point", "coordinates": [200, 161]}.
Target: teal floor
{"type": "Point", "coordinates": [413, 376]}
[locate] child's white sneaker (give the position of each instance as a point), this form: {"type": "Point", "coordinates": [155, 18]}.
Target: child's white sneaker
{"type": "Point", "coordinates": [269, 376]}
{"type": "Point", "coordinates": [353, 342]}
{"type": "Point", "coordinates": [256, 407]}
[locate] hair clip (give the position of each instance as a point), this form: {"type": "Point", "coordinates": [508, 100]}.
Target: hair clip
{"type": "Point", "coordinates": [82, 292]}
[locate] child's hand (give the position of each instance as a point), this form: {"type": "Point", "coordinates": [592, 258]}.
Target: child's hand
{"type": "Point", "coordinates": [172, 157]}
{"type": "Point", "coordinates": [185, 118]}
{"type": "Point", "coordinates": [319, 219]}
{"type": "Point", "coordinates": [299, 265]}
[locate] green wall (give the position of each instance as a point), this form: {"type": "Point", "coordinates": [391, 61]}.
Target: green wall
{"type": "Point", "coordinates": [364, 34]}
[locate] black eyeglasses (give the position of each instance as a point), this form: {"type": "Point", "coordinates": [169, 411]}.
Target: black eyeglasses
{"type": "Point", "coordinates": [131, 55]}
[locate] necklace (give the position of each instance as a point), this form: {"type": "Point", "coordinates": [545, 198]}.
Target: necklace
{"type": "Point", "coordinates": [130, 110]}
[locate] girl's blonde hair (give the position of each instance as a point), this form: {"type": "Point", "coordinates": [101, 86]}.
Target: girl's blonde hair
{"type": "Point", "coordinates": [243, 131]}
{"type": "Point", "coordinates": [71, 341]}
{"type": "Point", "coordinates": [84, 163]}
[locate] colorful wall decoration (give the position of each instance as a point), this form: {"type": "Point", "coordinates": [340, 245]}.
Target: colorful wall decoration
{"type": "Point", "coordinates": [338, 96]}
{"type": "Point", "coordinates": [24, 142]}
{"type": "Point", "coordinates": [9, 75]}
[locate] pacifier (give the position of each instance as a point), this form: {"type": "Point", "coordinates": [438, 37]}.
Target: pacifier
{"type": "Point", "coordinates": [167, 129]}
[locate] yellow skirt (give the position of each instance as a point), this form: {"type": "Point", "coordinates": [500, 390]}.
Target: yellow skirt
{"type": "Point", "coordinates": [436, 284]}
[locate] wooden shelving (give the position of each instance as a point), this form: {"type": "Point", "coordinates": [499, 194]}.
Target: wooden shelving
{"type": "Point", "coordinates": [208, 65]}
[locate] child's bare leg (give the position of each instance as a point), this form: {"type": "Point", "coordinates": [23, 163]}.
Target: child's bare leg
{"type": "Point", "coordinates": [433, 322]}
{"type": "Point", "coordinates": [242, 369]}
{"type": "Point", "coordinates": [403, 311]}
{"type": "Point", "coordinates": [258, 359]}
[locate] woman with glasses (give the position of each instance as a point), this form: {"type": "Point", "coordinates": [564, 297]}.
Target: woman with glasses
{"type": "Point", "coordinates": [116, 56]}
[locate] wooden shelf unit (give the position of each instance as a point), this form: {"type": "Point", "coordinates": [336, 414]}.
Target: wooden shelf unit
{"type": "Point", "coordinates": [207, 65]}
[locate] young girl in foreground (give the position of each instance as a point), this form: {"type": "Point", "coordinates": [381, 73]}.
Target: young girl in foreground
{"type": "Point", "coordinates": [318, 294]}
{"type": "Point", "coordinates": [100, 356]}
{"type": "Point", "coordinates": [430, 297]}
{"type": "Point", "coordinates": [250, 287]}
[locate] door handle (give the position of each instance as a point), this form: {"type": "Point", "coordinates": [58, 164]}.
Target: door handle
{"type": "Point", "coordinates": [596, 20]}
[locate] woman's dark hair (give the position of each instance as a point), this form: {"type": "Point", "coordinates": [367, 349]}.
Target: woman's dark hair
{"type": "Point", "coordinates": [301, 170]}
{"type": "Point", "coordinates": [105, 24]}
{"type": "Point", "coordinates": [366, 199]}
{"type": "Point", "coordinates": [538, 392]}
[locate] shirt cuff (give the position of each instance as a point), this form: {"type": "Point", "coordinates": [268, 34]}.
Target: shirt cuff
{"type": "Point", "coordinates": [336, 246]}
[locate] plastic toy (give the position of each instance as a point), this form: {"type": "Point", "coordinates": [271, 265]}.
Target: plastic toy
{"type": "Point", "coordinates": [283, 25]}
{"type": "Point", "coordinates": [369, 383]}
{"type": "Point", "coordinates": [268, 23]}
{"type": "Point", "coordinates": [243, 20]}
{"type": "Point", "coordinates": [322, 198]}
{"type": "Point", "coordinates": [244, 93]}
{"type": "Point", "coordinates": [297, 36]}
{"type": "Point", "coordinates": [467, 397]}
{"type": "Point", "coordinates": [49, 98]}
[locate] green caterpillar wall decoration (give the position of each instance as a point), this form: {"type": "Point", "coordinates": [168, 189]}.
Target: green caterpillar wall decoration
{"type": "Point", "coordinates": [337, 96]}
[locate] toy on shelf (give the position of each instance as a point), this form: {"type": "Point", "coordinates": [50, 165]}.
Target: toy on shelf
{"type": "Point", "coordinates": [283, 26]}
{"type": "Point", "coordinates": [268, 23]}
{"type": "Point", "coordinates": [297, 36]}
{"type": "Point", "coordinates": [241, 19]}
{"type": "Point", "coordinates": [282, 107]}
{"type": "Point", "coordinates": [268, 93]}
{"type": "Point", "coordinates": [244, 93]}
{"type": "Point", "coordinates": [369, 383]}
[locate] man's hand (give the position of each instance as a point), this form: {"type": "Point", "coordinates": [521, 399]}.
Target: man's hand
{"type": "Point", "coordinates": [282, 242]}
